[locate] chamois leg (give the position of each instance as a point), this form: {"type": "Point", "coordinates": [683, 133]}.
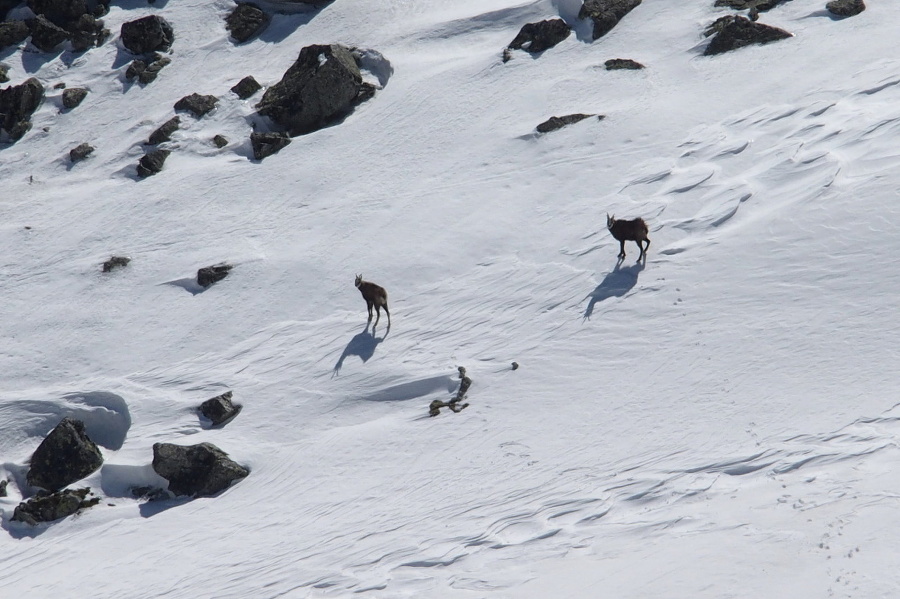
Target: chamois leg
{"type": "Point", "coordinates": [622, 249]}
{"type": "Point", "coordinates": [369, 308]}
{"type": "Point", "coordinates": [388, 312]}
{"type": "Point", "coordinates": [378, 317]}
{"type": "Point", "coordinates": [640, 247]}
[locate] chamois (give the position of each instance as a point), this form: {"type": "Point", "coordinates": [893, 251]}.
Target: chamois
{"type": "Point", "coordinates": [629, 230]}
{"type": "Point", "coordinates": [375, 295]}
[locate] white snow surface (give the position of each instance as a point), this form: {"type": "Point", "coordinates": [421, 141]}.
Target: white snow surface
{"type": "Point", "coordinates": [719, 421]}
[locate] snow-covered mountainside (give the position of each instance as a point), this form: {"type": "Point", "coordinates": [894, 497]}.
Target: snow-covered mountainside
{"type": "Point", "coordinates": [718, 420]}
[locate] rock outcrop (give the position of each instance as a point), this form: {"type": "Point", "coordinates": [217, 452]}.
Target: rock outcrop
{"type": "Point", "coordinates": [165, 131]}
{"type": "Point", "coordinates": [733, 32]}
{"type": "Point", "coordinates": [197, 104]}
{"type": "Point", "coordinates": [196, 470]}
{"type": "Point", "coordinates": [147, 70]}
{"type": "Point", "coordinates": [73, 96]}
{"type": "Point", "coordinates": [246, 87]}
{"type": "Point", "coordinates": [266, 144]}
{"type": "Point", "coordinates": [65, 456]}
{"type": "Point", "coordinates": [152, 163]}
{"type": "Point", "coordinates": [606, 14]}
{"type": "Point", "coordinates": [323, 85]}
{"type": "Point", "coordinates": [13, 33]}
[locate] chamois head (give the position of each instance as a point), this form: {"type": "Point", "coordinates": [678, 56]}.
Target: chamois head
{"type": "Point", "coordinates": [610, 220]}
{"type": "Point", "coordinates": [358, 281]}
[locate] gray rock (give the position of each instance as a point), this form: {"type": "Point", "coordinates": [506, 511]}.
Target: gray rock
{"type": "Point", "coordinates": [3, 484]}
{"type": "Point", "coordinates": [148, 34]}
{"type": "Point", "coordinates": [208, 275]}
{"type": "Point", "coordinates": [622, 63]}
{"type": "Point", "coordinates": [266, 144]}
{"type": "Point", "coordinates": [59, 12]}
{"type": "Point", "coordinates": [73, 96]}
{"type": "Point", "coordinates": [196, 470]}
{"type": "Point", "coordinates": [558, 122]}
{"type": "Point", "coordinates": [17, 104]}
{"type": "Point", "coordinates": [165, 131]}
{"type": "Point", "coordinates": [45, 35]}
{"type": "Point", "coordinates": [4, 73]}
{"type": "Point", "coordinates": [53, 506]}
{"type": "Point", "coordinates": [246, 87]}
{"type": "Point", "coordinates": [220, 141]}
{"type": "Point", "coordinates": [80, 152]}
{"type": "Point", "coordinates": [246, 21]}
{"type": "Point", "coordinates": [846, 8]}
{"type": "Point", "coordinates": [152, 163]}
{"type": "Point", "coordinates": [757, 5]}
{"type": "Point", "coordinates": [115, 262]}
{"type": "Point", "coordinates": [606, 14]}
{"type": "Point", "coordinates": [87, 32]}
{"type": "Point", "coordinates": [197, 105]}
{"type": "Point", "coordinates": [219, 410]}
{"type": "Point", "coordinates": [65, 456]}
{"type": "Point", "coordinates": [13, 33]}
{"type": "Point", "coordinates": [733, 32]}
{"type": "Point", "coordinates": [541, 36]}
{"type": "Point", "coordinates": [323, 85]}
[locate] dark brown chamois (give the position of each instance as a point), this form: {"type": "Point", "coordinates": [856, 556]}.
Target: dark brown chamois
{"type": "Point", "coordinates": [629, 230]}
{"type": "Point", "coordinates": [375, 295]}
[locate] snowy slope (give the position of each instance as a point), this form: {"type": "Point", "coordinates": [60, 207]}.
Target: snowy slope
{"type": "Point", "coordinates": [720, 421]}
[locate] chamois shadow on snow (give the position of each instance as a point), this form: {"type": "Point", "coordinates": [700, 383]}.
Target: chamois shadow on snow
{"type": "Point", "coordinates": [414, 390]}
{"type": "Point", "coordinates": [362, 345]}
{"type": "Point", "coordinates": [616, 284]}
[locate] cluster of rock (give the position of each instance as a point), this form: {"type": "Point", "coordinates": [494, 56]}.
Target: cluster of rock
{"type": "Point", "coordinates": [17, 104]}
{"type": "Point", "coordinates": [68, 455]}
{"type": "Point", "coordinates": [56, 21]}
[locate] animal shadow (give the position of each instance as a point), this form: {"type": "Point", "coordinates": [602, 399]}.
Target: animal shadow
{"type": "Point", "coordinates": [362, 345]}
{"type": "Point", "coordinates": [616, 284]}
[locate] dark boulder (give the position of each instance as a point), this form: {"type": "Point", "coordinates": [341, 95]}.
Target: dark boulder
{"type": "Point", "coordinates": [53, 506]}
{"type": "Point", "coordinates": [758, 5]}
{"type": "Point", "coordinates": [65, 456]}
{"type": "Point", "coordinates": [152, 163]}
{"type": "Point", "coordinates": [165, 131]}
{"type": "Point", "coordinates": [537, 37]}
{"type": "Point", "coordinates": [323, 85]}
{"type": "Point", "coordinates": [208, 275]}
{"type": "Point", "coordinates": [733, 32]}
{"type": "Point", "coordinates": [80, 152]}
{"type": "Point", "coordinates": [220, 141]}
{"type": "Point", "coordinates": [73, 96]}
{"type": "Point", "coordinates": [115, 262]}
{"type": "Point", "coordinates": [13, 33]}
{"type": "Point", "coordinates": [558, 122]}
{"type": "Point", "coordinates": [246, 21]}
{"type": "Point", "coordinates": [197, 104]}
{"type": "Point", "coordinates": [266, 144]}
{"type": "Point", "coordinates": [148, 34]}
{"type": "Point", "coordinates": [196, 470]}
{"type": "Point", "coordinates": [4, 73]}
{"type": "Point", "coordinates": [87, 32]}
{"type": "Point", "coordinates": [219, 410]}
{"type": "Point", "coordinates": [45, 35]}
{"type": "Point", "coordinates": [146, 71]}
{"type": "Point", "coordinates": [17, 104]}
{"type": "Point", "coordinates": [846, 8]}
{"type": "Point", "coordinates": [246, 87]}
{"type": "Point", "coordinates": [622, 63]}
{"type": "Point", "coordinates": [59, 12]}
{"type": "Point", "coordinates": [606, 14]}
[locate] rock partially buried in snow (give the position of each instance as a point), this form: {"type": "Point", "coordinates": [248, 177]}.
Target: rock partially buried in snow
{"type": "Point", "coordinates": [266, 144]}
{"type": "Point", "coordinates": [212, 274]}
{"type": "Point", "coordinates": [558, 122]}
{"type": "Point", "coordinates": [219, 410]}
{"type": "Point", "coordinates": [65, 456]}
{"type": "Point", "coordinates": [846, 8]}
{"type": "Point", "coordinates": [74, 96]}
{"type": "Point", "coordinates": [53, 506]}
{"type": "Point", "coordinates": [246, 87]}
{"type": "Point", "coordinates": [606, 14]}
{"type": "Point", "coordinates": [197, 104]}
{"type": "Point", "coordinates": [246, 21]}
{"type": "Point", "coordinates": [733, 32]}
{"type": "Point", "coordinates": [615, 64]}
{"type": "Point", "coordinates": [196, 470]}
{"type": "Point", "coordinates": [152, 163]}
{"type": "Point", "coordinates": [165, 131]}
{"type": "Point", "coordinates": [80, 152]}
{"type": "Point", "coordinates": [324, 84]}
{"type": "Point", "coordinates": [540, 36]}
{"type": "Point", "coordinates": [115, 262]}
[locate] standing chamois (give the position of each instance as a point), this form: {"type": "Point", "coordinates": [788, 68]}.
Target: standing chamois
{"type": "Point", "coordinates": [629, 230]}
{"type": "Point", "coordinates": [375, 295]}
